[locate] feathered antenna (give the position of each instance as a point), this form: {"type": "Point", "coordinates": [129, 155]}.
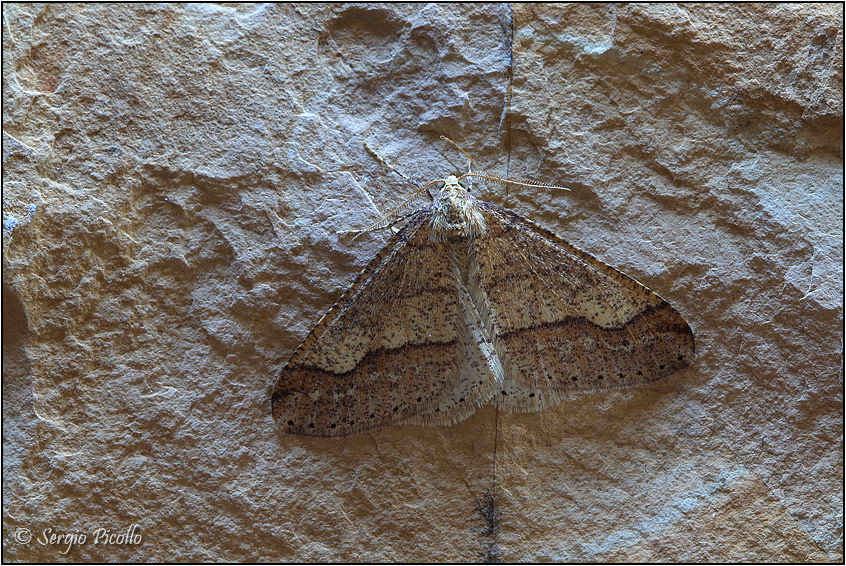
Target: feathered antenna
{"type": "Point", "coordinates": [532, 184]}
{"type": "Point", "coordinates": [488, 177]}
{"type": "Point", "coordinates": [459, 148]}
{"type": "Point", "coordinates": [393, 216]}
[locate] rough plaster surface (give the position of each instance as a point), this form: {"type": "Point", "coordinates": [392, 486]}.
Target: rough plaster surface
{"type": "Point", "coordinates": [173, 179]}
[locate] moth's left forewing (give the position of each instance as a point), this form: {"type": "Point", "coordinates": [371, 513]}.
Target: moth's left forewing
{"type": "Point", "coordinates": [562, 321]}
{"type": "Point", "coordinates": [401, 346]}
{"type": "Point", "coordinates": [384, 352]}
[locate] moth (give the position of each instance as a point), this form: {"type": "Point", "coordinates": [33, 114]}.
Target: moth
{"type": "Point", "coordinates": [470, 304]}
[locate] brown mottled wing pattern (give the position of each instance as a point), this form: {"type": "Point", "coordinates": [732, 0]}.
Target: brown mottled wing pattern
{"type": "Point", "coordinates": [394, 348]}
{"type": "Point", "coordinates": [480, 374]}
{"type": "Point", "coordinates": [562, 321]}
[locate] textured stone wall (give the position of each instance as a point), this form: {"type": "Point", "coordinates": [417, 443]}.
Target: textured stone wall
{"type": "Point", "coordinates": [174, 176]}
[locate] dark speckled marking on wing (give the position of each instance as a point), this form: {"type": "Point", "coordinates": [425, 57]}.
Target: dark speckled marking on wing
{"type": "Point", "coordinates": [395, 347]}
{"type": "Point", "coordinates": [562, 321]}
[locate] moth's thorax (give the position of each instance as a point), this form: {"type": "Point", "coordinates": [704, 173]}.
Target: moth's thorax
{"type": "Point", "coordinates": [455, 212]}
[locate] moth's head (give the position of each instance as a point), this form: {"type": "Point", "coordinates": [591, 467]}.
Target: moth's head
{"type": "Point", "coordinates": [453, 183]}
{"type": "Point", "coordinates": [455, 211]}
